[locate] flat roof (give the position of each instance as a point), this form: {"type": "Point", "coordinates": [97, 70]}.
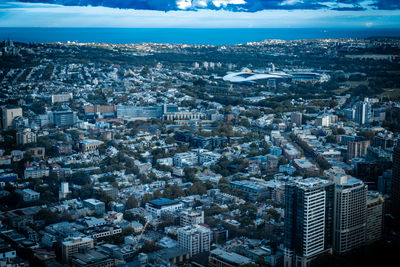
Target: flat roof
{"type": "Point", "coordinates": [30, 191]}
{"type": "Point", "coordinates": [91, 141]}
{"type": "Point", "coordinates": [312, 182]}
{"type": "Point", "coordinates": [163, 202]}
{"type": "Point", "coordinates": [230, 257]}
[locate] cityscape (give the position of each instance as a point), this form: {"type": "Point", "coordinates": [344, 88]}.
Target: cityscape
{"type": "Point", "coordinates": [273, 152]}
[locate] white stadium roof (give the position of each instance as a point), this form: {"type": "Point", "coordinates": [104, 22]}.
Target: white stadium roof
{"type": "Point", "coordinates": [240, 77]}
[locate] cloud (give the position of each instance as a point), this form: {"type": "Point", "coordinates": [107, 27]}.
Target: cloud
{"type": "Point", "coordinates": [231, 5]}
{"type": "Point", "coordinates": [291, 2]}
{"type": "Point", "coordinates": [13, 14]}
{"type": "Point", "coordinates": [387, 4]}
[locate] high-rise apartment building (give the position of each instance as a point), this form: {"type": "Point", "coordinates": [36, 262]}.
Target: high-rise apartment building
{"type": "Point", "coordinates": [194, 239]}
{"type": "Point", "coordinates": [357, 149]}
{"type": "Point", "coordinates": [350, 214]}
{"type": "Point", "coordinates": [308, 220]}
{"type": "Point", "coordinates": [363, 112]}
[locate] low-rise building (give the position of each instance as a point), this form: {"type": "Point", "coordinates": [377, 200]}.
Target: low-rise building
{"type": "Point", "coordinates": [162, 205]}
{"type": "Point", "coordinates": [96, 205]}
{"type": "Point", "coordinates": [28, 195]}
{"type": "Point", "coordinates": [37, 152]}
{"type": "Point", "coordinates": [36, 172]}
{"type": "Point", "coordinates": [222, 258]}
{"type": "Point", "coordinates": [90, 144]}
{"type": "Point", "coordinates": [72, 245]}
{"type": "Point", "coordinates": [59, 98]}
{"type": "Point", "coordinates": [252, 190]}
{"type": "Point", "coordinates": [305, 166]}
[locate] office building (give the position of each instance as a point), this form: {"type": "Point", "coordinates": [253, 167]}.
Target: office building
{"type": "Point", "coordinates": [8, 115]}
{"type": "Point", "coordinates": [375, 216]}
{"type": "Point", "coordinates": [194, 238]}
{"type": "Point", "coordinates": [64, 118]}
{"type": "Point", "coordinates": [308, 220]}
{"type": "Point", "coordinates": [74, 245]}
{"type": "Point", "coordinates": [357, 149]}
{"type": "Point", "coordinates": [350, 214]}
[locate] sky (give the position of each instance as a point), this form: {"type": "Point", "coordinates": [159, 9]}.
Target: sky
{"type": "Point", "coordinates": [201, 13]}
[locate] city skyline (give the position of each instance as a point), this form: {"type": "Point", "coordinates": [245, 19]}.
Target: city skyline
{"type": "Point", "coordinates": [216, 133]}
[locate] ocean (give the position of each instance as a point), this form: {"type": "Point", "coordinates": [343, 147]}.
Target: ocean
{"type": "Point", "coordinates": [219, 36]}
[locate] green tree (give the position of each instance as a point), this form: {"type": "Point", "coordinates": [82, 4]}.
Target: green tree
{"type": "Point", "coordinates": [196, 188]}
{"type": "Point", "coordinates": [146, 198]}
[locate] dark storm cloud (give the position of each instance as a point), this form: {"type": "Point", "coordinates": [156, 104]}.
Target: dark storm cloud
{"type": "Point", "coordinates": [231, 5]}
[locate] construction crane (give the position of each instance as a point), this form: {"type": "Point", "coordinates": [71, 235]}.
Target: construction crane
{"type": "Point", "coordinates": [141, 233]}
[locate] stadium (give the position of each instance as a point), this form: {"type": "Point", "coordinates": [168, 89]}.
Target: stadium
{"type": "Point", "coordinates": [246, 76]}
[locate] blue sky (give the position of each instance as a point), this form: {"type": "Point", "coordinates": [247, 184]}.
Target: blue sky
{"type": "Point", "coordinates": [201, 13]}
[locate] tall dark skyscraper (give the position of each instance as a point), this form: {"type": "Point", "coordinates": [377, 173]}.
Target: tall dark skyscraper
{"type": "Point", "coordinates": [309, 207]}
{"type": "Point", "coordinates": [396, 183]}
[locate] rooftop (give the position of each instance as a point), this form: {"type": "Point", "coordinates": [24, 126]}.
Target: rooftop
{"type": "Point", "coordinates": [230, 257]}
{"type": "Point", "coordinates": [163, 202]}
{"type": "Point", "coordinates": [312, 182]}
{"type": "Point", "coordinates": [90, 141]}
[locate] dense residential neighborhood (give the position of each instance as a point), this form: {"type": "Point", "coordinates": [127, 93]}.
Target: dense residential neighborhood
{"type": "Point", "coordinates": [271, 153]}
